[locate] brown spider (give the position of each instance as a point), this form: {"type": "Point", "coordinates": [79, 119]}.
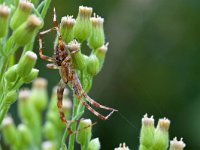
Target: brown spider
{"type": "Point", "coordinates": [62, 60]}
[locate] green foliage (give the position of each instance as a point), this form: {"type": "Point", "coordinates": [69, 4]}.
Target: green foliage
{"type": "Point", "coordinates": [29, 134]}
{"type": "Point", "coordinates": [20, 22]}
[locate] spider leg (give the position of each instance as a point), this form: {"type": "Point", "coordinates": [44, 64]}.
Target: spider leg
{"type": "Point", "coordinates": [60, 91]}
{"type": "Point", "coordinates": [90, 100]}
{"type": "Point", "coordinates": [94, 111]}
{"type": "Point", "coordinates": [74, 132]}
{"type": "Point", "coordinates": [52, 66]}
{"type": "Point", "coordinates": [77, 91]}
{"type": "Point", "coordinates": [96, 104]}
{"type": "Point", "coordinates": [56, 26]}
{"type": "Point", "coordinates": [47, 58]}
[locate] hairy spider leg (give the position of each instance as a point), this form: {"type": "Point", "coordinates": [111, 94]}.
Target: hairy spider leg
{"type": "Point", "coordinates": [60, 91]}
{"type": "Point", "coordinates": [52, 66]}
{"type": "Point", "coordinates": [47, 58]}
{"type": "Point", "coordinates": [96, 104]}
{"type": "Point", "coordinates": [77, 91]}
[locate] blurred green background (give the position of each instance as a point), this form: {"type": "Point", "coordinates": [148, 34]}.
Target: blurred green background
{"type": "Point", "coordinates": [152, 66]}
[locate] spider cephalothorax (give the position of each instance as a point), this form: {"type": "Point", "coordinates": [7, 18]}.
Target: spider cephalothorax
{"type": "Point", "coordinates": [62, 60]}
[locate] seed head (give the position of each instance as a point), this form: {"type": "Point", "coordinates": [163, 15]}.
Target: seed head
{"type": "Point", "coordinates": [177, 145]}
{"type": "Point", "coordinates": [164, 124]}
{"type": "Point", "coordinates": [68, 21]}
{"type": "Point", "coordinates": [40, 83]}
{"type": "Point", "coordinates": [85, 11]}
{"type": "Point", "coordinates": [33, 22]}
{"type": "Point", "coordinates": [24, 94]}
{"type": "Point", "coordinates": [4, 11]}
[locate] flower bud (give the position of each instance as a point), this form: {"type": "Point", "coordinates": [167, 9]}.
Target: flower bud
{"type": "Point", "coordinates": [27, 112]}
{"type": "Point", "coordinates": [9, 131]}
{"type": "Point", "coordinates": [84, 135]}
{"type": "Point", "coordinates": [4, 18]}
{"type": "Point", "coordinates": [25, 32]}
{"type": "Point", "coordinates": [21, 14]}
{"type": "Point", "coordinates": [66, 28]}
{"type": "Point", "coordinates": [25, 134]}
{"type": "Point", "coordinates": [32, 75]}
{"type": "Point", "coordinates": [26, 63]}
{"type": "Point", "coordinates": [82, 28]}
{"type": "Point", "coordinates": [161, 136]}
{"type": "Point", "coordinates": [11, 74]}
{"type": "Point", "coordinates": [93, 65]}
{"type": "Point", "coordinates": [97, 37]}
{"type": "Point", "coordinates": [122, 147]}
{"type": "Point", "coordinates": [94, 144]}
{"type": "Point", "coordinates": [79, 60]}
{"type": "Point", "coordinates": [10, 98]}
{"type": "Point", "coordinates": [147, 132]}
{"type": "Point", "coordinates": [49, 131]}
{"type": "Point", "coordinates": [52, 116]}
{"type": "Point", "coordinates": [177, 145]}
{"type": "Point", "coordinates": [38, 96]}
{"type": "Point", "coordinates": [100, 53]}
{"type": "Point", "coordinates": [48, 145]}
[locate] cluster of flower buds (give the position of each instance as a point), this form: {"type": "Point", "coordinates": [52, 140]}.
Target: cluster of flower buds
{"type": "Point", "coordinates": [15, 76]}
{"type": "Point", "coordinates": [29, 134]}
{"type": "Point", "coordinates": [157, 138]}
{"type": "Point", "coordinates": [20, 22]}
{"type": "Point", "coordinates": [23, 22]}
{"type": "Point", "coordinates": [89, 29]}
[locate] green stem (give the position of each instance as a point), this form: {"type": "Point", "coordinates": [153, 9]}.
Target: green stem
{"type": "Point", "coordinates": [73, 125]}
{"type": "Point", "coordinates": [45, 8]}
{"type": "Point", "coordinates": [3, 113]}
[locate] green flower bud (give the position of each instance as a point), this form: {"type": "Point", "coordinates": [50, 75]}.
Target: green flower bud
{"type": "Point", "coordinates": [32, 75]}
{"type": "Point", "coordinates": [161, 136]}
{"type": "Point", "coordinates": [50, 132]}
{"type": "Point", "coordinates": [93, 65]}
{"type": "Point", "coordinates": [97, 37]}
{"type": "Point", "coordinates": [27, 112]}
{"type": "Point", "coordinates": [26, 63]}
{"type": "Point", "coordinates": [25, 32]}
{"type": "Point", "coordinates": [147, 132]}
{"type": "Point", "coordinates": [122, 147]}
{"type": "Point", "coordinates": [21, 14]}
{"type": "Point", "coordinates": [84, 135]}
{"type": "Point", "coordinates": [52, 116]}
{"type": "Point", "coordinates": [10, 98]}
{"type": "Point", "coordinates": [38, 96]}
{"type": "Point", "coordinates": [11, 74]}
{"type": "Point", "coordinates": [48, 145]}
{"type": "Point", "coordinates": [82, 28]}
{"type": "Point", "coordinates": [4, 18]}
{"type": "Point", "coordinates": [9, 131]}
{"type": "Point", "coordinates": [100, 53]}
{"type": "Point", "coordinates": [94, 144]}
{"type": "Point", "coordinates": [66, 28]}
{"type": "Point", "coordinates": [25, 134]}
{"type": "Point", "coordinates": [79, 60]}
{"type": "Point", "coordinates": [177, 145]}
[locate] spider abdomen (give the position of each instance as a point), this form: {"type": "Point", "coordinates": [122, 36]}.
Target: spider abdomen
{"type": "Point", "coordinates": [60, 53]}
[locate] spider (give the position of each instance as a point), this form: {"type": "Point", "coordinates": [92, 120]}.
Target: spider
{"type": "Point", "coordinates": [62, 60]}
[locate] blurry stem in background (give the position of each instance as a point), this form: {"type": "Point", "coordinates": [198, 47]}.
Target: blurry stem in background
{"type": "Point", "coordinates": [45, 8]}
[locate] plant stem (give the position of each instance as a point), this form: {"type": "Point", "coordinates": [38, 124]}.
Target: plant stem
{"type": "Point", "coordinates": [3, 113]}
{"type": "Point", "coordinates": [45, 8]}
{"type": "Point", "coordinates": [73, 125]}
